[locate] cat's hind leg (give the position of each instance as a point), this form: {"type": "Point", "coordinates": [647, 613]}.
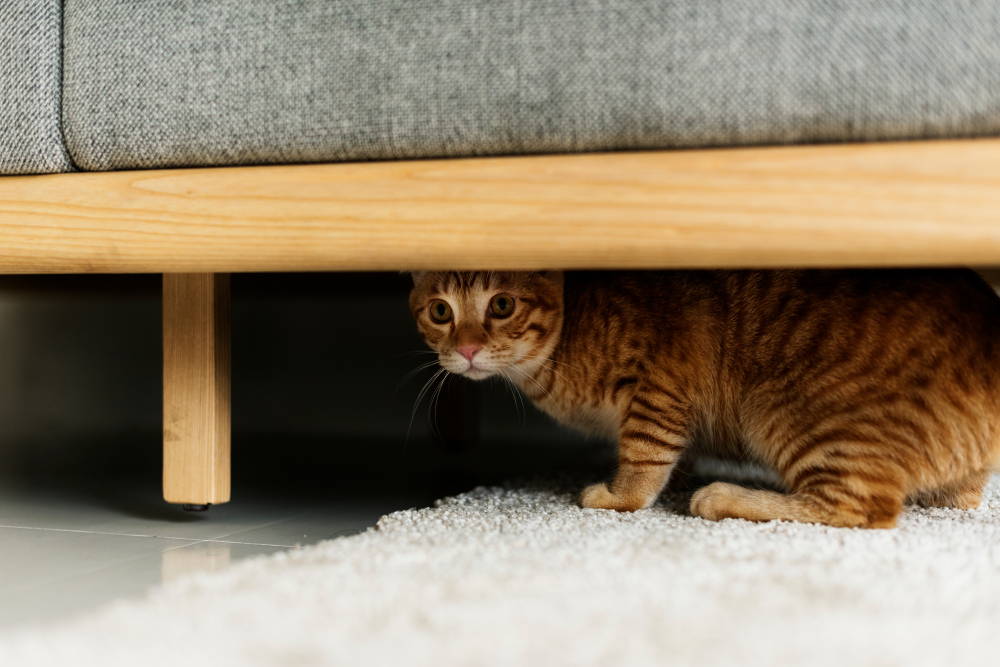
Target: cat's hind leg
{"type": "Point", "coordinates": [965, 494]}
{"type": "Point", "coordinates": [828, 496]}
{"type": "Point", "coordinates": [835, 476]}
{"type": "Point", "coordinates": [721, 500]}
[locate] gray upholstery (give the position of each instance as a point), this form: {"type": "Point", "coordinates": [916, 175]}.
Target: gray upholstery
{"type": "Point", "coordinates": [188, 82]}
{"type": "Point", "coordinates": [30, 71]}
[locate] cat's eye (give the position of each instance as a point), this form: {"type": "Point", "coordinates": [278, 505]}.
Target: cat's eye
{"type": "Point", "coordinates": [440, 311]}
{"type": "Point", "coordinates": [501, 306]}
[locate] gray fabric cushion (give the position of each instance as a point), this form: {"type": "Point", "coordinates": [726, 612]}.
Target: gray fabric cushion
{"type": "Point", "coordinates": [187, 82]}
{"type": "Point", "coordinates": [30, 46]}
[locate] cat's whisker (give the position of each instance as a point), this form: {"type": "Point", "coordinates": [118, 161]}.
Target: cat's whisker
{"type": "Point", "coordinates": [420, 396]}
{"type": "Point", "coordinates": [520, 399]}
{"type": "Point", "coordinates": [416, 371]}
{"type": "Point", "coordinates": [550, 360]}
{"type": "Point", "coordinates": [433, 405]}
{"type": "Point", "coordinates": [529, 377]}
{"type": "Point", "coordinates": [515, 395]}
{"type": "Point", "coordinates": [552, 370]}
{"type": "Point", "coordinates": [545, 361]}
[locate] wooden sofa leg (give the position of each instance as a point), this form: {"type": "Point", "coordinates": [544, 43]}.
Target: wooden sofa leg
{"type": "Point", "coordinates": [196, 360]}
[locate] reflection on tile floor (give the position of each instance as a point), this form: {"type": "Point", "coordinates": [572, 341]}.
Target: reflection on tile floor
{"type": "Point", "coordinates": [62, 555]}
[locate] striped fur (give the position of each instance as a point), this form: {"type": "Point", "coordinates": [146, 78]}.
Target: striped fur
{"type": "Point", "coordinates": [862, 389]}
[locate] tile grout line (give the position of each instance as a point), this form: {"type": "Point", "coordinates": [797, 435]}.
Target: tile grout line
{"type": "Point", "coordinates": [258, 527]}
{"type": "Point", "coordinates": [97, 532]}
{"type": "Point", "coordinates": [249, 544]}
{"type": "Point", "coordinates": [191, 540]}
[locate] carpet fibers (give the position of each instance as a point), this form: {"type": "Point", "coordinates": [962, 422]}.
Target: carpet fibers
{"type": "Point", "coordinates": [521, 576]}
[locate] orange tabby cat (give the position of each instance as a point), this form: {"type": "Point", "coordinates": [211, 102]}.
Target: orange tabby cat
{"type": "Point", "coordinates": [862, 389]}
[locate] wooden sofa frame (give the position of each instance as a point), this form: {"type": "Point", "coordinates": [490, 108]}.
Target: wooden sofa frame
{"type": "Point", "coordinates": [888, 204]}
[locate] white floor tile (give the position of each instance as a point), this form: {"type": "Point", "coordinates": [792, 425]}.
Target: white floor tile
{"type": "Point", "coordinates": [65, 553]}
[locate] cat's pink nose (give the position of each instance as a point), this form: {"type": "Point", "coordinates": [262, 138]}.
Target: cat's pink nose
{"type": "Point", "coordinates": [469, 351]}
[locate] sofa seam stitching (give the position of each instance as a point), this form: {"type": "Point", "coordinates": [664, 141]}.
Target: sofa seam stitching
{"type": "Point", "coordinates": [60, 91]}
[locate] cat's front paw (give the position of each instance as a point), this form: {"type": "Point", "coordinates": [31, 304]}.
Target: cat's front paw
{"type": "Point", "coordinates": [597, 497]}
{"type": "Point", "coordinates": [600, 497]}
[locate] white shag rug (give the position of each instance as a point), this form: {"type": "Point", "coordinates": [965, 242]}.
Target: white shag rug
{"type": "Point", "coordinates": [522, 577]}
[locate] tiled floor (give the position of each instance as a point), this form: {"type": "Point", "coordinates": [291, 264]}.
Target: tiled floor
{"type": "Point", "coordinates": [83, 523]}
{"type": "Point", "coordinates": [64, 553]}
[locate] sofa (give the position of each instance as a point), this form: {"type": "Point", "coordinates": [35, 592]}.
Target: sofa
{"type": "Point", "coordinates": [197, 138]}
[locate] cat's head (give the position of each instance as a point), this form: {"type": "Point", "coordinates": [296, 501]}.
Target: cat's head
{"type": "Point", "coordinates": [489, 323]}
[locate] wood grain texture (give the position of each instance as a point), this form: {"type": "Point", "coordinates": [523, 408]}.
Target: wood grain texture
{"type": "Point", "coordinates": [196, 372]}
{"type": "Point", "coordinates": [931, 203]}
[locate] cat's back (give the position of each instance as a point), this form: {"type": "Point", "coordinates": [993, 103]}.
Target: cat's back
{"type": "Point", "coordinates": [752, 325]}
{"type": "Point", "coordinates": [764, 308]}
{"type": "Point", "coordinates": [820, 319]}
{"type": "Point", "coordinates": [874, 306]}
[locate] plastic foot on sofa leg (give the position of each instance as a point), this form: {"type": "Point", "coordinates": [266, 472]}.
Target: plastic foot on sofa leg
{"type": "Point", "coordinates": [191, 507]}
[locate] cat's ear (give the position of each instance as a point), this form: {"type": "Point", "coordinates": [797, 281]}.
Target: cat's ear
{"type": "Point", "coordinates": [417, 276]}
{"type": "Point", "coordinates": [551, 276]}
